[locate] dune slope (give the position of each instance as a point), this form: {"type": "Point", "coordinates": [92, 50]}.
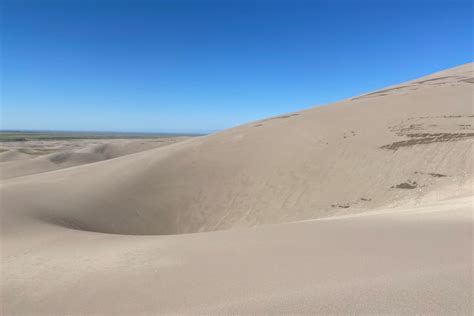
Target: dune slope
{"type": "Point", "coordinates": [387, 148]}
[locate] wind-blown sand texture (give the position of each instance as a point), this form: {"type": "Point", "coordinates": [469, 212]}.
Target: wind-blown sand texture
{"type": "Point", "coordinates": [371, 198]}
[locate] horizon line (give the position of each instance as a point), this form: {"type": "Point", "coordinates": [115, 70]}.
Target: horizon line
{"type": "Point", "coordinates": [184, 133]}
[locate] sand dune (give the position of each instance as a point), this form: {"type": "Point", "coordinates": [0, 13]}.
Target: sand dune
{"type": "Point", "coordinates": [343, 158]}
{"type": "Point", "coordinates": [12, 156]}
{"type": "Point", "coordinates": [86, 153]}
{"type": "Point", "coordinates": [403, 155]}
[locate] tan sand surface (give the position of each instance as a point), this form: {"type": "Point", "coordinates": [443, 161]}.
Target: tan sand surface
{"type": "Point", "coordinates": [31, 157]}
{"type": "Point", "coordinates": [370, 197]}
{"type": "Point", "coordinates": [413, 261]}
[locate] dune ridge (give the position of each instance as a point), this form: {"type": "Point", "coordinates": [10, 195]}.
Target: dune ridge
{"type": "Point", "coordinates": [354, 155]}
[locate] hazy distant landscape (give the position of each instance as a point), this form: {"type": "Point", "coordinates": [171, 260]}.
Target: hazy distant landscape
{"type": "Point", "coordinates": [37, 143]}
{"type": "Point", "coordinates": [23, 153]}
{"type": "Point", "coordinates": [21, 136]}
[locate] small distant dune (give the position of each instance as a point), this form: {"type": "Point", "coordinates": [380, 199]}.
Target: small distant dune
{"type": "Point", "coordinates": [33, 162]}
{"type": "Point", "coordinates": [12, 155]}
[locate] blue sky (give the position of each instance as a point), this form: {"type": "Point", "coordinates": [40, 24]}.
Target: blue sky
{"type": "Point", "coordinates": [196, 66]}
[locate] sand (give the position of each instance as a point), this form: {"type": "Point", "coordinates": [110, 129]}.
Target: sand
{"type": "Point", "coordinates": [32, 157]}
{"type": "Point", "coordinates": [362, 206]}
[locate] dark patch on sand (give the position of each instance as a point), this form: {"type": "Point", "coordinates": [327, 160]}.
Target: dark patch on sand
{"type": "Point", "coordinates": [435, 79]}
{"type": "Point", "coordinates": [434, 175]}
{"type": "Point", "coordinates": [406, 185]}
{"type": "Point", "coordinates": [427, 138]}
{"type": "Point", "coordinates": [468, 80]}
{"type": "Point", "coordinates": [340, 205]}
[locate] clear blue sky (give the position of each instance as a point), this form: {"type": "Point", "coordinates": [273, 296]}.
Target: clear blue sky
{"type": "Point", "coordinates": [198, 66]}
